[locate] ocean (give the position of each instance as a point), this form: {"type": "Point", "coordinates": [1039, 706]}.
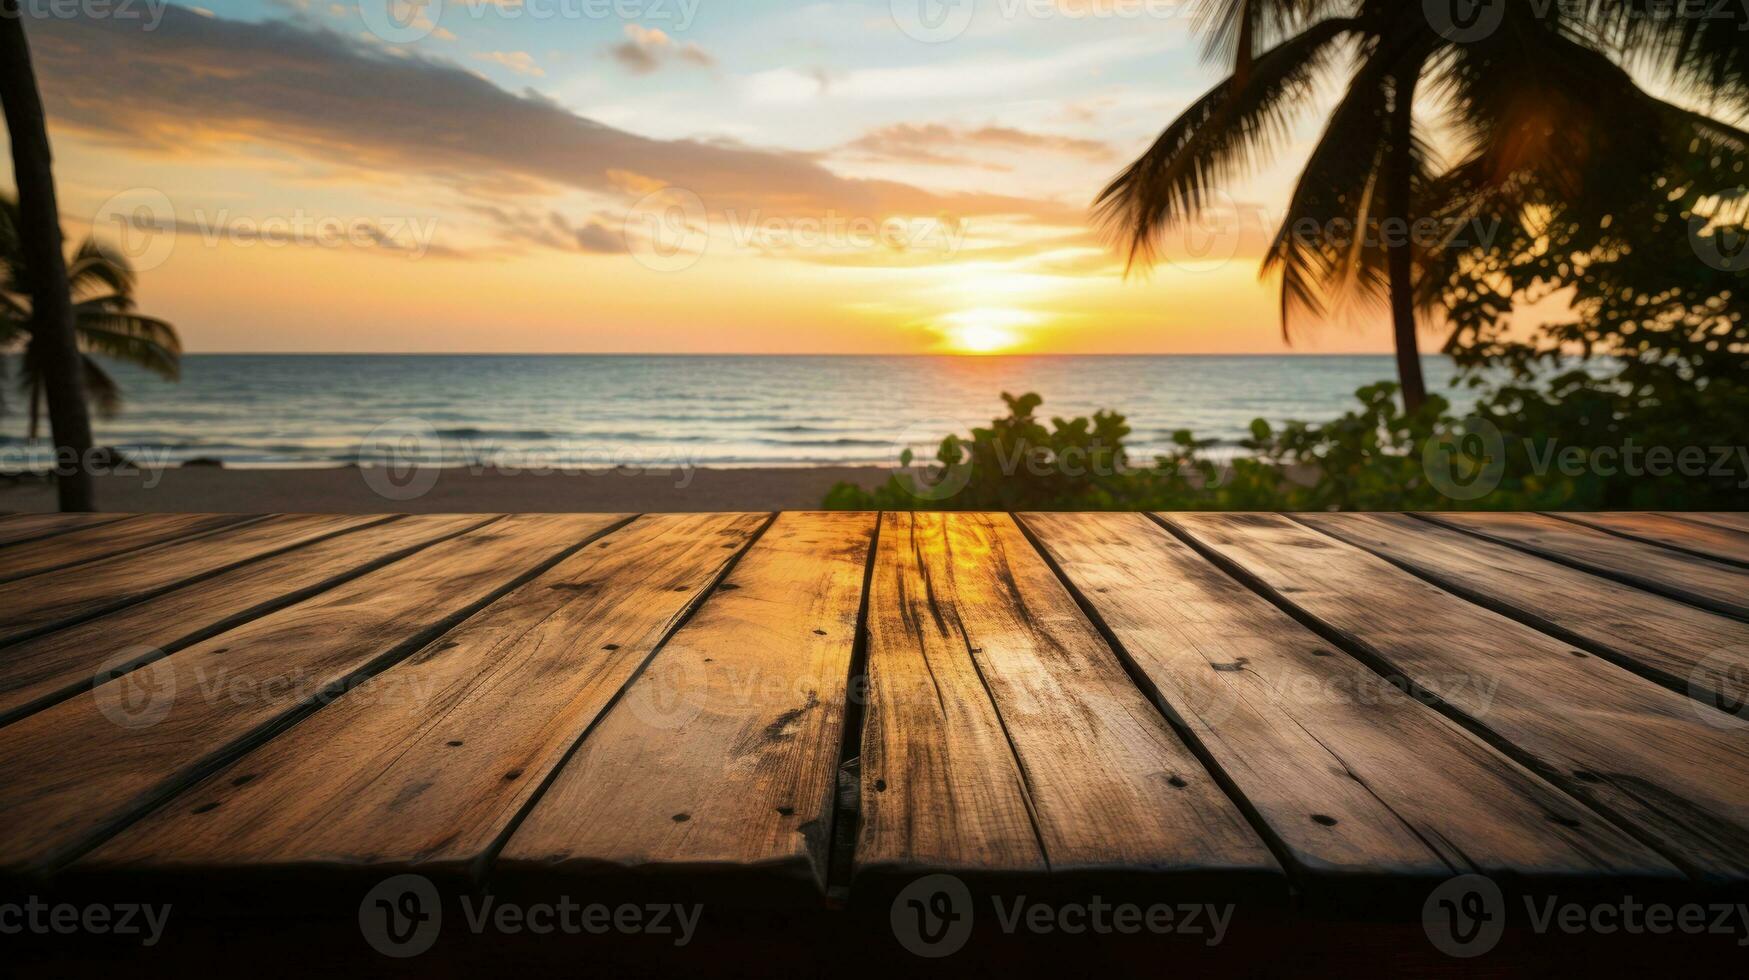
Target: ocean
{"type": "Point", "coordinates": [566, 411]}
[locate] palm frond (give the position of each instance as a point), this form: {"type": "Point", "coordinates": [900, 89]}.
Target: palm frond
{"type": "Point", "coordinates": [139, 340]}
{"type": "Point", "coordinates": [1703, 46]}
{"type": "Point", "coordinates": [1234, 30]}
{"type": "Point", "coordinates": [94, 267]}
{"type": "Point", "coordinates": [101, 389]}
{"type": "Point", "coordinates": [1221, 136]}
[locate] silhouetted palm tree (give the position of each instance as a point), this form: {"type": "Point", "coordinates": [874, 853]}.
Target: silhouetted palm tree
{"type": "Point", "coordinates": [1537, 104]}
{"type": "Point", "coordinates": [101, 284]}
{"type": "Point", "coordinates": [39, 235]}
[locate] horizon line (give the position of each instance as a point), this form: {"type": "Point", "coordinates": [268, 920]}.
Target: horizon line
{"type": "Point", "coordinates": [972, 357]}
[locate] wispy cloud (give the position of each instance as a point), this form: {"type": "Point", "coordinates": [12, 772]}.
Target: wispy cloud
{"type": "Point", "coordinates": [316, 93]}
{"type": "Point", "coordinates": [935, 143]}
{"type": "Point", "coordinates": [520, 62]}
{"type": "Point", "coordinates": [646, 49]}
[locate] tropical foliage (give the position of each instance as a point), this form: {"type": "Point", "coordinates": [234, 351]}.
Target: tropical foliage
{"type": "Point", "coordinates": [1540, 105]}
{"type": "Point", "coordinates": [104, 319]}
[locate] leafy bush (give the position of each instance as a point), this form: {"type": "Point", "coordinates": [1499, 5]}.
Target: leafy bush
{"type": "Point", "coordinates": [1524, 449]}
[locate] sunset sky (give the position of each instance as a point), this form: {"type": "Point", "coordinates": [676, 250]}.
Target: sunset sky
{"type": "Point", "coordinates": [705, 176]}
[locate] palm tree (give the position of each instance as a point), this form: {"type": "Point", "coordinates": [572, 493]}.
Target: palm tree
{"type": "Point", "coordinates": [38, 231]}
{"type": "Point", "coordinates": [1541, 110]}
{"type": "Point", "coordinates": [101, 284]}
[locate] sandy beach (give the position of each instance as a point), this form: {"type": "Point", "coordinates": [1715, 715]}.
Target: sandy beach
{"type": "Point", "coordinates": [351, 490]}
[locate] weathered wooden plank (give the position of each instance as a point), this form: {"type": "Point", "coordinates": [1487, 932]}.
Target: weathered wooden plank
{"type": "Point", "coordinates": [44, 602]}
{"type": "Point", "coordinates": [107, 540]}
{"type": "Point", "coordinates": [723, 754]}
{"type": "Point", "coordinates": [1689, 650]}
{"type": "Point", "coordinates": [57, 665]}
{"type": "Point", "coordinates": [1690, 578]}
{"type": "Point", "coordinates": [1355, 778]}
{"type": "Point", "coordinates": [18, 528]}
{"type": "Point", "coordinates": [1729, 521]}
{"type": "Point", "coordinates": [1704, 540]}
{"type": "Point", "coordinates": [1003, 735]}
{"type": "Point", "coordinates": [427, 765]}
{"type": "Point", "coordinates": [1673, 768]}
{"type": "Point", "coordinates": [73, 773]}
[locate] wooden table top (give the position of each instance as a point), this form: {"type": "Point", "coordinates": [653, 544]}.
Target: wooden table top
{"type": "Point", "coordinates": [797, 708]}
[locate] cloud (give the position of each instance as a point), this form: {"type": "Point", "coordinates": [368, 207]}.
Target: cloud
{"type": "Point", "coordinates": [521, 226]}
{"type": "Point", "coordinates": [646, 49]}
{"type": "Point", "coordinates": [213, 84]}
{"type": "Point", "coordinates": [934, 143]}
{"type": "Point", "coordinates": [520, 62]}
{"type": "Point", "coordinates": [939, 79]}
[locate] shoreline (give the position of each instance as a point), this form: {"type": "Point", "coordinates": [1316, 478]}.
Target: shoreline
{"type": "Point", "coordinates": [346, 490]}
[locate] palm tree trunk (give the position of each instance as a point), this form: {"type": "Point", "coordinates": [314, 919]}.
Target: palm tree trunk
{"type": "Point", "coordinates": [40, 243]}
{"type": "Point", "coordinates": [1400, 248]}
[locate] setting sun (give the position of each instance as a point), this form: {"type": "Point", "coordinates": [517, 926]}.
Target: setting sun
{"type": "Point", "coordinates": [985, 331]}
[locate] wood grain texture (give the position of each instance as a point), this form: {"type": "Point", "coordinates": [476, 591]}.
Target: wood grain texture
{"type": "Point", "coordinates": [1689, 650]}
{"type": "Point", "coordinates": [1676, 770]}
{"type": "Point", "coordinates": [73, 773]}
{"type": "Point", "coordinates": [1003, 735]}
{"type": "Point", "coordinates": [108, 539]}
{"type": "Point", "coordinates": [1706, 540]}
{"type": "Point", "coordinates": [428, 764]}
{"type": "Point", "coordinates": [722, 758]}
{"type": "Point", "coordinates": [17, 528]}
{"type": "Point", "coordinates": [1690, 578]}
{"type": "Point", "coordinates": [1729, 521]}
{"type": "Point", "coordinates": [43, 602]}
{"type": "Point", "coordinates": [1354, 777]}
{"type": "Point", "coordinates": [57, 665]}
